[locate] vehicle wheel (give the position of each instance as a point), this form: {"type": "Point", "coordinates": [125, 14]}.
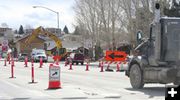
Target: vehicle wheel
{"type": "Point", "coordinates": [177, 81]}
{"type": "Point", "coordinates": [77, 63]}
{"type": "Point", "coordinates": [82, 63]}
{"type": "Point", "coordinates": [136, 77]}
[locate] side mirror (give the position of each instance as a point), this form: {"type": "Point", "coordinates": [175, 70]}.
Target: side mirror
{"type": "Point", "coordinates": [152, 31]}
{"type": "Point", "coordinates": [139, 37]}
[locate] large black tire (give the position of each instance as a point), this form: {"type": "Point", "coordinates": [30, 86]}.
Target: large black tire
{"type": "Point", "coordinates": [77, 63]}
{"type": "Point", "coordinates": [177, 81]}
{"type": "Point", "coordinates": [82, 63]}
{"type": "Point", "coordinates": [136, 77]}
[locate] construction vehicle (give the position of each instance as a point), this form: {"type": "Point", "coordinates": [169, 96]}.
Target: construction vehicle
{"type": "Point", "coordinates": [157, 58]}
{"type": "Point", "coordinates": [61, 52]}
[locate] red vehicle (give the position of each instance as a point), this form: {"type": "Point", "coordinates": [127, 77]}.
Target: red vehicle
{"type": "Point", "coordinates": [75, 58]}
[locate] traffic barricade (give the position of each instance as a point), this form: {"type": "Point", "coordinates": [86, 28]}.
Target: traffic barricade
{"type": "Point", "coordinates": [54, 76]}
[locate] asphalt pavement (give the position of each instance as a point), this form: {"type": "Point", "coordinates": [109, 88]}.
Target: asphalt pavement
{"type": "Point", "coordinates": [77, 84]}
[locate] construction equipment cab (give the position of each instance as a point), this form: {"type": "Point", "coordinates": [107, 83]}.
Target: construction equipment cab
{"type": "Point", "coordinates": [41, 31]}
{"type": "Point", "coordinates": [157, 58]}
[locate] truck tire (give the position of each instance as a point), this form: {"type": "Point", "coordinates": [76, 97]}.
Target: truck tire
{"type": "Point", "coordinates": [77, 63]}
{"type": "Point", "coordinates": [136, 77]}
{"type": "Point", "coordinates": [82, 63]}
{"type": "Point", "coordinates": [177, 81]}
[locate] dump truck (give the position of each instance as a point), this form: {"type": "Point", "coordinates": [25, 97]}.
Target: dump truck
{"type": "Point", "coordinates": [156, 59]}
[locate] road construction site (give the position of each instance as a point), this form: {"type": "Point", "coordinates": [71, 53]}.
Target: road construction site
{"type": "Point", "coordinates": [76, 84]}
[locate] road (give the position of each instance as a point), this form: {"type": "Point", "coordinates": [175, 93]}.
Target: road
{"type": "Point", "coordinates": [76, 84]}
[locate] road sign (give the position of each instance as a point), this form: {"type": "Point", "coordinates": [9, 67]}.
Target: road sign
{"type": "Point", "coordinates": [54, 76]}
{"type": "Point", "coordinates": [5, 43]}
{"type": "Point", "coordinates": [115, 56]}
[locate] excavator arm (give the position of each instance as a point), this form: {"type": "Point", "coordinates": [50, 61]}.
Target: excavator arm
{"type": "Point", "coordinates": [53, 37]}
{"type": "Point", "coordinates": [41, 31]}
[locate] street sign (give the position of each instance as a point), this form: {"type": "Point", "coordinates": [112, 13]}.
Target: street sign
{"type": "Point", "coordinates": [5, 45]}
{"type": "Point", "coordinates": [54, 76]}
{"type": "Point", "coordinates": [54, 73]}
{"type": "Point", "coordinates": [115, 56]}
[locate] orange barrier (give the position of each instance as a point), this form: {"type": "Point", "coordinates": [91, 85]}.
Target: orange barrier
{"type": "Point", "coordinates": [54, 76]}
{"type": "Point", "coordinates": [32, 72]}
{"type": "Point", "coordinates": [119, 64]}
{"type": "Point", "coordinates": [40, 62]}
{"type": "Point", "coordinates": [87, 67]}
{"type": "Point", "coordinates": [66, 63]}
{"type": "Point", "coordinates": [70, 66]}
{"type": "Point", "coordinates": [12, 69]}
{"type": "Point", "coordinates": [118, 69]}
{"type": "Point", "coordinates": [26, 62]}
{"type": "Point", "coordinates": [102, 67]}
{"type": "Point", "coordinates": [5, 62]}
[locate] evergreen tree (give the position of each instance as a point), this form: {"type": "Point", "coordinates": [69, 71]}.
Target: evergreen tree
{"type": "Point", "coordinates": [65, 30]}
{"type": "Point", "coordinates": [21, 30]}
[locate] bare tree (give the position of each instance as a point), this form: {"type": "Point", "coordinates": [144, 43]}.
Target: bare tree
{"type": "Point", "coordinates": [113, 21]}
{"type": "Point", "coordinates": [100, 18]}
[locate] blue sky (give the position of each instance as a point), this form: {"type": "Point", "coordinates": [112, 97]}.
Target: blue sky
{"type": "Point", "coordinates": [21, 12]}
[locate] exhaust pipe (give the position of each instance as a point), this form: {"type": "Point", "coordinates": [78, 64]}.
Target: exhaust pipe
{"type": "Point", "coordinates": [157, 13]}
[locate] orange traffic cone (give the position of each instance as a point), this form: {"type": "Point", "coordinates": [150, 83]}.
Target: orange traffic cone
{"type": "Point", "coordinates": [5, 62]}
{"type": "Point", "coordinates": [40, 62]}
{"type": "Point", "coordinates": [102, 66]}
{"type": "Point", "coordinates": [118, 69]}
{"type": "Point", "coordinates": [87, 67]}
{"type": "Point", "coordinates": [70, 66]}
{"type": "Point", "coordinates": [25, 61]}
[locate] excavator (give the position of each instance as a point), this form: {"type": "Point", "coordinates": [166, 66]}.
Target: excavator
{"type": "Point", "coordinates": [61, 52]}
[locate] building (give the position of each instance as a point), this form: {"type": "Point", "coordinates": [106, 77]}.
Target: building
{"type": "Point", "coordinates": [3, 30]}
{"type": "Point", "coordinates": [22, 47]}
{"type": "Point", "coordinates": [6, 34]}
{"type": "Point", "coordinates": [55, 31]}
{"type": "Point", "coordinates": [28, 31]}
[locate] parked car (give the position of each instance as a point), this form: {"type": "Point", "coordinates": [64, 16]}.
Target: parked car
{"type": "Point", "coordinates": [76, 58]}
{"type": "Point", "coordinates": [22, 56]}
{"type": "Point", "coordinates": [37, 54]}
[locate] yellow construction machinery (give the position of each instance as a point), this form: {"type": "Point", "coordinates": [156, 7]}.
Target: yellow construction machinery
{"type": "Point", "coordinates": [41, 31]}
